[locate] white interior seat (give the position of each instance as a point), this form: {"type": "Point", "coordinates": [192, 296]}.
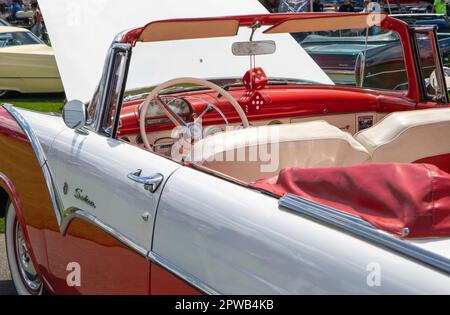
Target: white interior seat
{"type": "Point", "coordinates": [407, 137]}
{"type": "Point", "coordinates": [261, 152]}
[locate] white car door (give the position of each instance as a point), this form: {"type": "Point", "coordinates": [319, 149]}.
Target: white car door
{"type": "Point", "coordinates": [104, 178]}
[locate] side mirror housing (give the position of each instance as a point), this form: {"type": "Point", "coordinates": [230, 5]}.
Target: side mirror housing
{"type": "Point", "coordinates": [75, 115]}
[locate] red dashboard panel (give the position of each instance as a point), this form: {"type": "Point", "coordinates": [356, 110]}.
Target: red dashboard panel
{"type": "Point", "coordinates": [280, 102]}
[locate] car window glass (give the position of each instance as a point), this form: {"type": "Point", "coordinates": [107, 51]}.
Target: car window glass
{"type": "Point", "coordinates": [18, 39]}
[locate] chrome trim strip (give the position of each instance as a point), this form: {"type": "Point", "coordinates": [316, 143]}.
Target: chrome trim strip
{"type": "Point", "coordinates": [75, 213]}
{"type": "Point", "coordinates": [363, 229]}
{"type": "Point", "coordinates": [191, 280]}
{"type": "Point", "coordinates": [53, 190]}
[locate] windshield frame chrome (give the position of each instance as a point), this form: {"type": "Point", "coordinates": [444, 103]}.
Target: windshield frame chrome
{"type": "Point", "coordinates": [105, 85]}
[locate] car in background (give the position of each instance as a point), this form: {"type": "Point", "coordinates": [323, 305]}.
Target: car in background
{"type": "Point", "coordinates": [27, 64]}
{"type": "Point", "coordinates": [408, 6]}
{"type": "Point", "coordinates": [339, 54]}
{"type": "Point", "coordinates": [415, 19]}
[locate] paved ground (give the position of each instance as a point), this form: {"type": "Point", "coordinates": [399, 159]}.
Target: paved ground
{"type": "Point", "coordinates": [6, 285]}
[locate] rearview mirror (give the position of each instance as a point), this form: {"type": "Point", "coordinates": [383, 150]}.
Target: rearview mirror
{"type": "Point", "coordinates": [267, 47]}
{"type": "Point", "coordinates": [75, 114]}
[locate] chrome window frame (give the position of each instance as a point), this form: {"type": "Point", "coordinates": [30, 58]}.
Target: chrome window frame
{"type": "Point", "coordinates": [443, 97]}
{"type": "Point", "coordinates": [105, 88]}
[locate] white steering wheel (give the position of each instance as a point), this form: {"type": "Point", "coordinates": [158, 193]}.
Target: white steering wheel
{"type": "Point", "coordinates": [174, 117]}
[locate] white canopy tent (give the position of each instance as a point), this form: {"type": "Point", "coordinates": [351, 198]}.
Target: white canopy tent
{"type": "Point", "coordinates": [81, 32]}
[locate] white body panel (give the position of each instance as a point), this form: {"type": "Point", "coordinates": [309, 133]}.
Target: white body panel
{"type": "Point", "coordinates": [239, 241]}
{"type": "Point", "coordinates": [99, 166]}
{"type": "Point", "coordinates": [45, 126]}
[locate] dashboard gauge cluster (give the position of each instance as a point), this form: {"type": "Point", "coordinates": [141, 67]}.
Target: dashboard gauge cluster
{"type": "Point", "coordinates": [156, 116]}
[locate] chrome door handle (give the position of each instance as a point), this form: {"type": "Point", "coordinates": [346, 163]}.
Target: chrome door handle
{"type": "Point", "coordinates": [151, 183]}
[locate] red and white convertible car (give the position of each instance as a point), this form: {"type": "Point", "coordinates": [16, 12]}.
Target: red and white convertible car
{"type": "Point", "coordinates": [266, 185]}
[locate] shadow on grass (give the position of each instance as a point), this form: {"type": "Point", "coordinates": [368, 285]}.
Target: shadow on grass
{"type": "Point", "coordinates": [39, 102]}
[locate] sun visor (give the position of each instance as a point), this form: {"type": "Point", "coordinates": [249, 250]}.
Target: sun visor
{"type": "Point", "coordinates": [178, 30]}
{"type": "Point", "coordinates": [317, 24]}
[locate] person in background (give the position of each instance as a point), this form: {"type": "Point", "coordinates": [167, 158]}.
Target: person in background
{"type": "Point", "coordinates": [440, 7]}
{"type": "Point", "coordinates": [16, 6]}
{"type": "Point", "coordinates": [37, 20]}
{"type": "Point", "coordinates": [293, 6]}
{"type": "Point", "coordinates": [317, 6]}
{"type": "Point", "coordinates": [366, 7]}
{"type": "Point", "coordinates": [346, 7]}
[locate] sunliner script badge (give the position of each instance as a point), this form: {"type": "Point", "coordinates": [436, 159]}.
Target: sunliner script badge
{"type": "Point", "coordinates": [85, 198]}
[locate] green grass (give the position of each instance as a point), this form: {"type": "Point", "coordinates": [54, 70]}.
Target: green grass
{"type": "Point", "coordinates": [37, 102]}
{"type": "Point", "coordinates": [2, 226]}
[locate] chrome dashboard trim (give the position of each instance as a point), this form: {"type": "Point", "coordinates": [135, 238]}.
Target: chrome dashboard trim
{"type": "Point", "coordinates": [361, 228]}
{"type": "Point", "coordinates": [40, 154]}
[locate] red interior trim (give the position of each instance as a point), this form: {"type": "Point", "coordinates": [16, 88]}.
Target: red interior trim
{"type": "Point", "coordinates": [441, 161]}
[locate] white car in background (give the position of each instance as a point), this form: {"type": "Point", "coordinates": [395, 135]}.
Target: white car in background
{"type": "Point", "coordinates": [27, 64]}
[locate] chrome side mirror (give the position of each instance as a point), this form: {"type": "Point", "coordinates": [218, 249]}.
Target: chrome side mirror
{"type": "Point", "coordinates": [75, 114]}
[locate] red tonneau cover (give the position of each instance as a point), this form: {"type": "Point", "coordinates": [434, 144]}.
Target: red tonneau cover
{"type": "Point", "coordinates": [392, 197]}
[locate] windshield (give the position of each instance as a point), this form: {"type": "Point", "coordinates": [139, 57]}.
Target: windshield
{"type": "Point", "coordinates": [155, 63]}
{"type": "Point", "coordinates": [18, 38]}
{"type": "Point", "coordinates": [370, 58]}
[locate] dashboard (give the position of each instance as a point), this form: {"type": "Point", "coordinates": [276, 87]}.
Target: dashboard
{"type": "Point", "coordinates": [345, 108]}
{"type": "Point", "coordinates": [155, 116]}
